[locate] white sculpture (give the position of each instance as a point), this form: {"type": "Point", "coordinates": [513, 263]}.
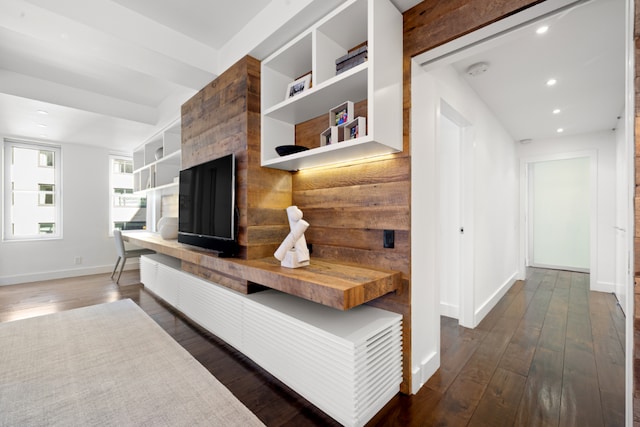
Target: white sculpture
{"type": "Point", "coordinates": [293, 251]}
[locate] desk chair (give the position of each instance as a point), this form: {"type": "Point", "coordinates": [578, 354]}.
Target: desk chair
{"type": "Point", "coordinates": [124, 254]}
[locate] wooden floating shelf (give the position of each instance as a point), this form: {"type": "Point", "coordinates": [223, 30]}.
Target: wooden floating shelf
{"type": "Point", "coordinates": [341, 286]}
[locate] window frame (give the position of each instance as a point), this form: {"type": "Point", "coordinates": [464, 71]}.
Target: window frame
{"type": "Point", "coordinates": [112, 159]}
{"type": "Point", "coordinates": [8, 235]}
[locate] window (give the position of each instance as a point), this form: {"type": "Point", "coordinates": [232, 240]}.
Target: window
{"type": "Point", "coordinates": [45, 198]}
{"type": "Point", "coordinates": [127, 210]}
{"type": "Point", "coordinates": [32, 201]}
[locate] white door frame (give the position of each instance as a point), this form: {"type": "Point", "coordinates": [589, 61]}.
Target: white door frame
{"type": "Point", "coordinates": [466, 312]}
{"type": "Point", "coordinates": [525, 197]}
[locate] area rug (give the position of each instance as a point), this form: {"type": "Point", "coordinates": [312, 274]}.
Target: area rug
{"type": "Point", "coordinates": [108, 364]}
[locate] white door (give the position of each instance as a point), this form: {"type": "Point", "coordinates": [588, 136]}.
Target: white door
{"type": "Point", "coordinates": [559, 208]}
{"type": "Point", "coordinates": [448, 151]}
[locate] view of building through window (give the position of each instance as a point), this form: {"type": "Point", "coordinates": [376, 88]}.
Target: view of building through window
{"type": "Point", "coordinates": [128, 211]}
{"type": "Point", "coordinates": [32, 202]}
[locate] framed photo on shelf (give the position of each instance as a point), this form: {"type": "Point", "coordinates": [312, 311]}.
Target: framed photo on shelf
{"type": "Point", "coordinates": [341, 114]}
{"type": "Point", "coordinates": [332, 135]}
{"type": "Point", "coordinates": [298, 86]}
{"type": "Point", "coordinates": [355, 128]}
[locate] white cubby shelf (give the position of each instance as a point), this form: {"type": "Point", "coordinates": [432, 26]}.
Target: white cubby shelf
{"type": "Point", "coordinates": [378, 80]}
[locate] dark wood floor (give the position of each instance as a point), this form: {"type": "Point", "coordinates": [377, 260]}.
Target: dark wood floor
{"type": "Point", "coordinates": [550, 353]}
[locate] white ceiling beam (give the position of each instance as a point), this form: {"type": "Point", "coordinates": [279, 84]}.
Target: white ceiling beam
{"type": "Point", "coordinates": [54, 93]}
{"type": "Point", "coordinates": [132, 27]}
{"type": "Point", "coordinates": [61, 32]}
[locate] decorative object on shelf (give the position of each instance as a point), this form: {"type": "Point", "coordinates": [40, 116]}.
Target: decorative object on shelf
{"type": "Point", "coordinates": [355, 128]}
{"type": "Point", "coordinates": [298, 86]}
{"type": "Point", "coordinates": [285, 150]}
{"type": "Point", "coordinates": [332, 135]}
{"type": "Point", "coordinates": [293, 251]}
{"type": "Point", "coordinates": [168, 227]}
{"type": "Point", "coordinates": [341, 114]}
{"type": "Point", "coordinates": [159, 153]}
{"type": "Point", "coordinates": [353, 58]}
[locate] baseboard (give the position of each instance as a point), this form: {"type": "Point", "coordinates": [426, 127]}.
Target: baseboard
{"type": "Point", "coordinates": [132, 264]}
{"type": "Point", "coordinates": [421, 374]}
{"type": "Point", "coordinates": [604, 287]}
{"type": "Point", "coordinates": [449, 310]}
{"type": "Point", "coordinates": [493, 300]}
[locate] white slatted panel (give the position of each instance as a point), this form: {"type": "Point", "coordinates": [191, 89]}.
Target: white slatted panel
{"type": "Point", "coordinates": [347, 363]}
{"type": "Point", "coordinates": [213, 307]}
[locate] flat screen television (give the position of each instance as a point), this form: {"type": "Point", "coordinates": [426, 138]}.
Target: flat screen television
{"type": "Point", "coordinates": [207, 210]}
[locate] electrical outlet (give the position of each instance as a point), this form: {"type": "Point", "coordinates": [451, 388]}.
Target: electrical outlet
{"type": "Point", "coordinates": [78, 260]}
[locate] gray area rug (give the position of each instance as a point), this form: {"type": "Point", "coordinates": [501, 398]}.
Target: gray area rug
{"type": "Point", "coordinates": [108, 364]}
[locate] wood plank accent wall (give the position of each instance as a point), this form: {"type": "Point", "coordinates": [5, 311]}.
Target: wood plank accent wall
{"type": "Point", "coordinates": [224, 118]}
{"type": "Point", "coordinates": [430, 24]}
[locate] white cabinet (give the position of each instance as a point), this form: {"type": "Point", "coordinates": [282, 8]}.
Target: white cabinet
{"type": "Point", "coordinates": [160, 273]}
{"type": "Point", "coordinates": [157, 162]}
{"type": "Point", "coordinates": [378, 80]}
{"type": "Point", "coordinates": [347, 363]}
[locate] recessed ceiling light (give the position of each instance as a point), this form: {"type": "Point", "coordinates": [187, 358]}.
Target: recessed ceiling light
{"type": "Point", "coordinates": [43, 112]}
{"type": "Point", "coordinates": [543, 29]}
{"type": "Point", "coordinates": [551, 82]}
{"type": "Point", "coordinates": [556, 111]}
{"type": "Point", "coordinates": [560, 130]}
{"type": "Point", "coordinates": [42, 125]}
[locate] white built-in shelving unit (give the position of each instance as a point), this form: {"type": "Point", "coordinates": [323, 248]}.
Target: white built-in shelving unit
{"type": "Point", "coordinates": [347, 363]}
{"type": "Point", "coordinates": [378, 80]}
{"type": "Point", "coordinates": [152, 172]}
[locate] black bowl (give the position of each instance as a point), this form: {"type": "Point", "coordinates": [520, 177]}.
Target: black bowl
{"type": "Point", "coordinates": [285, 150]}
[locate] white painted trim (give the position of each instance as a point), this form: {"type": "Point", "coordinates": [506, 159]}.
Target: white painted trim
{"type": "Point", "coordinates": [449, 310]}
{"type": "Point", "coordinates": [629, 117]}
{"type": "Point", "coordinates": [420, 375]}
{"type": "Point", "coordinates": [488, 305]}
{"type": "Point", "coordinates": [608, 287]}
{"type": "Point", "coordinates": [132, 264]}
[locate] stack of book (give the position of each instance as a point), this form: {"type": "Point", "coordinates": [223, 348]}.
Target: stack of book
{"type": "Point", "coordinates": [351, 59]}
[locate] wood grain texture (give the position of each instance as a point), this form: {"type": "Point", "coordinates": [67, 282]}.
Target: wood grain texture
{"type": "Point", "coordinates": [224, 118]}
{"type": "Point", "coordinates": [338, 285]}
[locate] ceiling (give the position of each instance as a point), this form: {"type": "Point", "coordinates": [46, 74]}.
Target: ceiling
{"type": "Point", "coordinates": [111, 73]}
{"type": "Point", "coordinates": [583, 49]}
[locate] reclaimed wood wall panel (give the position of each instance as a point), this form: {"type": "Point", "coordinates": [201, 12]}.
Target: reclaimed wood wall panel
{"type": "Point", "coordinates": [224, 118]}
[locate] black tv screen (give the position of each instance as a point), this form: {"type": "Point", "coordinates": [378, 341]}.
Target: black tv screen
{"type": "Point", "coordinates": [206, 216]}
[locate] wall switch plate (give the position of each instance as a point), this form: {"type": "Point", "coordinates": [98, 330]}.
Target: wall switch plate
{"type": "Point", "coordinates": [388, 239]}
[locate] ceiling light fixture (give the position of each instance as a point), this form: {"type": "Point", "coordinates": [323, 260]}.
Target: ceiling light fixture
{"type": "Point", "coordinates": [551, 82]}
{"type": "Point", "coordinates": [556, 111]}
{"type": "Point", "coordinates": [478, 68]}
{"type": "Point", "coordinates": [43, 112]}
{"type": "Point", "coordinates": [543, 29]}
{"type": "Point", "coordinates": [560, 130]}
{"type": "Point", "coordinates": [42, 125]}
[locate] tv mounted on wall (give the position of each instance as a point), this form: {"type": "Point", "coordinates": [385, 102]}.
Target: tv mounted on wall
{"type": "Point", "coordinates": [207, 209]}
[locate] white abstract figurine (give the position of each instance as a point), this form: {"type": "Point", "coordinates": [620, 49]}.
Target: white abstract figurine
{"type": "Point", "coordinates": [293, 251]}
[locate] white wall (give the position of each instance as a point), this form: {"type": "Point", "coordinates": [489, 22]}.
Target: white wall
{"type": "Point", "coordinates": [604, 145]}
{"type": "Point", "coordinates": [490, 212]}
{"type": "Point", "coordinates": [85, 198]}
